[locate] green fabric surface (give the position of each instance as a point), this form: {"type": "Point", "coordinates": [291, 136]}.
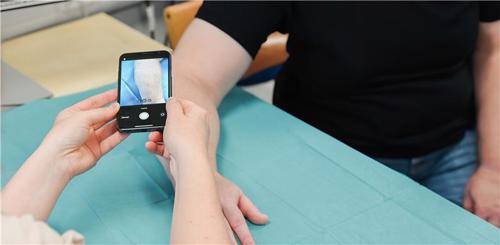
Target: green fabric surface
{"type": "Point", "coordinates": [314, 188]}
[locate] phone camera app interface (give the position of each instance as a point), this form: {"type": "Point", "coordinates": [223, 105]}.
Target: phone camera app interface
{"type": "Point", "coordinates": [144, 81]}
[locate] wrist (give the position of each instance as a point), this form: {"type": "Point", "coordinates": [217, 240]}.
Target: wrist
{"type": "Point", "coordinates": [36, 186]}
{"type": "Point", "coordinates": [490, 165]}
{"type": "Point", "coordinates": [192, 155]}
{"type": "Point", "coordinates": [193, 160]}
{"type": "Point", "coordinates": [52, 162]}
{"type": "Point", "coordinates": [192, 167]}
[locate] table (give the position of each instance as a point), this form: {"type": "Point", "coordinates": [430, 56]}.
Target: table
{"type": "Point", "coordinates": [314, 188]}
{"type": "Point", "coordinates": [77, 55]}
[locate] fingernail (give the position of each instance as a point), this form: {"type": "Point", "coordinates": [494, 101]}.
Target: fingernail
{"type": "Point", "coordinates": [115, 105]}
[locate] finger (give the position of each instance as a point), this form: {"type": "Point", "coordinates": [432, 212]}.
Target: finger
{"type": "Point", "coordinates": [96, 101]}
{"type": "Point", "coordinates": [155, 136]}
{"type": "Point", "coordinates": [468, 202]}
{"type": "Point", "coordinates": [481, 212]}
{"type": "Point", "coordinates": [230, 232]}
{"type": "Point", "coordinates": [100, 116]}
{"type": "Point", "coordinates": [106, 130]}
{"type": "Point", "coordinates": [250, 211]}
{"type": "Point", "coordinates": [494, 220]}
{"type": "Point", "coordinates": [238, 224]}
{"type": "Point", "coordinates": [155, 148]}
{"type": "Point", "coordinates": [100, 124]}
{"type": "Point", "coordinates": [109, 143]}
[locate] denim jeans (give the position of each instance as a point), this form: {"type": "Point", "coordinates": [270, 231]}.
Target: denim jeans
{"type": "Point", "coordinates": [445, 171]}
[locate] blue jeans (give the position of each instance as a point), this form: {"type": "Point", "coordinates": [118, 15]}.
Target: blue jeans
{"type": "Point", "coordinates": [445, 171]}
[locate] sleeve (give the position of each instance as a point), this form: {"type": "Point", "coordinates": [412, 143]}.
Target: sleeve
{"type": "Point", "coordinates": [249, 23]}
{"type": "Point", "coordinates": [489, 11]}
{"type": "Point", "coordinates": [26, 230]}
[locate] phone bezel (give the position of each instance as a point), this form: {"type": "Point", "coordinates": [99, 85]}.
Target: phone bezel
{"type": "Point", "coordinates": [137, 56]}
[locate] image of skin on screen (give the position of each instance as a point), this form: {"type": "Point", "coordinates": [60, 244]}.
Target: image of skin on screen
{"type": "Point", "coordinates": [144, 81]}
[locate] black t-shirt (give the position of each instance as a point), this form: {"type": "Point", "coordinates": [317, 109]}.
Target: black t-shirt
{"type": "Point", "coordinates": [389, 79]}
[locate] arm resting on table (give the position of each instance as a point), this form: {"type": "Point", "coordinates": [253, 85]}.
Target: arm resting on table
{"type": "Point", "coordinates": [482, 194]}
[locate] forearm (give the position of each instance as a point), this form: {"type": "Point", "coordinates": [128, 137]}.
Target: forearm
{"type": "Point", "coordinates": [36, 186]}
{"type": "Point", "coordinates": [488, 116]}
{"type": "Point", "coordinates": [198, 216]}
{"type": "Point", "coordinates": [207, 63]}
{"type": "Point", "coordinates": [487, 80]}
{"type": "Point", "coordinates": [191, 88]}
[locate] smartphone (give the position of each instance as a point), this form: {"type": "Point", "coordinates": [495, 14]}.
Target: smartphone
{"type": "Point", "coordinates": [144, 86]}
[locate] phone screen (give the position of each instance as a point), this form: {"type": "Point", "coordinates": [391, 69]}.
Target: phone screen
{"type": "Point", "coordinates": [144, 85]}
{"type": "Point", "coordinates": [144, 81]}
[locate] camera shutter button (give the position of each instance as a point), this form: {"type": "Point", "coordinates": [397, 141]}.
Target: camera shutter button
{"type": "Point", "coordinates": [143, 115]}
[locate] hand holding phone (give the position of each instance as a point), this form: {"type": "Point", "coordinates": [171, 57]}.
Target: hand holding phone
{"type": "Point", "coordinates": [144, 85]}
{"type": "Point", "coordinates": [185, 138]}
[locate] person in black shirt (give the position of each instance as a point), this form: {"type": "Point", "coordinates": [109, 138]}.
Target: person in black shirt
{"type": "Point", "coordinates": [404, 83]}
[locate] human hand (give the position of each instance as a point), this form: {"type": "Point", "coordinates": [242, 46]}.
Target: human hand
{"type": "Point", "coordinates": [236, 206]}
{"type": "Point", "coordinates": [186, 130]}
{"type": "Point", "coordinates": [482, 194]}
{"type": "Point", "coordinates": [83, 133]}
{"type": "Point", "coordinates": [185, 137]}
{"type": "Point", "coordinates": [194, 135]}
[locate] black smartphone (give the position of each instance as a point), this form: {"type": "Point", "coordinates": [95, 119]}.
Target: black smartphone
{"type": "Point", "coordinates": [144, 86]}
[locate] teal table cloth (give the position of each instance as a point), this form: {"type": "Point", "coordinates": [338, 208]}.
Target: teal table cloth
{"type": "Point", "coordinates": [314, 188]}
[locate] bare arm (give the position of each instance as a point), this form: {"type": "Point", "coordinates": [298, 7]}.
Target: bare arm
{"type": "Point", "coordinates": [36, 186]}
{"type": "Point", "coordinates": [483, 191]}
{"type": "Point", "coordinates": [197, 216]}
{"type": "Point", "coordinates": [81, 135]}
{"type": "Point", "coordinates": [487, 76]}
{"type": "Point", "coordinates": [207, 63]}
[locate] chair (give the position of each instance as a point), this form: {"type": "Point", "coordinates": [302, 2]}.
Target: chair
{"type": "Point", "coordinates": [267, 62]}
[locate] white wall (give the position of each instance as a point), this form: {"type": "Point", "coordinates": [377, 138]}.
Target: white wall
{"type": "Point", "coordinates": [24, 20]}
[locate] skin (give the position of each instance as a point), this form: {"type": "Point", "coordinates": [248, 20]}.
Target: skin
{"type": "Point", "coordinates": [81, 135]}
{"type": "Point", "coordinates": [197, 216]}
{"type": "Point", "coordinates": [86, 131]}
{"type": "Point", "coordinates": [90, 132]}
{"type": "Point", "coordinates": [482, 194]}
{"type": "Point", "coordinates": [148, 78]}
{"type": "Point", "coordinates": [208, 62]}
